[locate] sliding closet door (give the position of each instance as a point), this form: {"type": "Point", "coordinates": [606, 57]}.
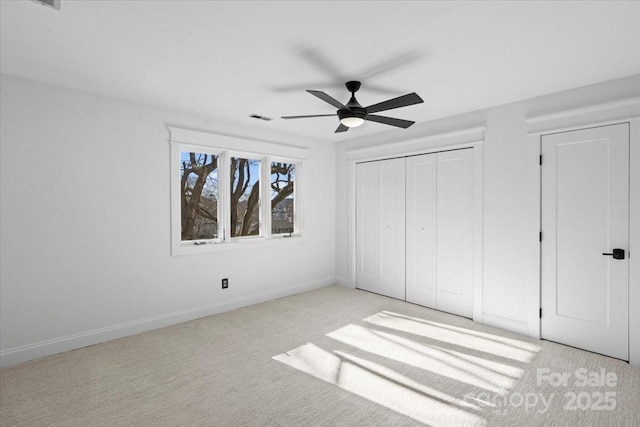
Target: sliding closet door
{"type": "Point", "coordinates": [421, 230]}
{"type": "Point", "coordinates": [454, 212]}
{"type": "Point", "coordinates": [380, 227]}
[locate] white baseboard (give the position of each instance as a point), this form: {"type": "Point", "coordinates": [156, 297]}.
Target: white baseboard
{"type": "Point", "coordinates": [506, 324]}
{"type": "Point", "coordinates": [343, 282]}
{"type": "Point", "coordinates": [40, 349]}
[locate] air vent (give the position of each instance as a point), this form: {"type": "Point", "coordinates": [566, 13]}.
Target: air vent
{"type": "Point", "coordinates": [259, 117]}
{"type": "Point", "coordinates": [55, 4]}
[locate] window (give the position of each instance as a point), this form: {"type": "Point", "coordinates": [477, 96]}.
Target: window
{"type": "Point", "coordinates": [282, 197]}
{"type": "Point", "coordinates": [229, 192]}
{"type": "Point", "coordinates": [245, 197]}
{"type": "Point", "coordinates": [198, 196]}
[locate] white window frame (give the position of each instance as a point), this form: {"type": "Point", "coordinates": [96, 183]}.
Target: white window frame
{"type": "Point", "coordinates": [202, 150]}
{"type": "Point", "coordinates": [225, 147]}
{"type": "Point", "coordinates": [227, 199]}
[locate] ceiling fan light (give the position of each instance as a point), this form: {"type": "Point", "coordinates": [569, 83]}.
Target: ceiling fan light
{"type": "Point", "coordinates": [352, 122]}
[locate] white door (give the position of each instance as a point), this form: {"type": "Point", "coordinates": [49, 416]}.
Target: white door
{"type": "Point", "coordinates": [455, 232]}
{"type": "Point", "coordinates": [421, 230]}
{"type": "Point", "coordinates": [585, 215]}
{"type": "Point", "coordinates": [440, 231]}
{"type": "Point", "coordinates": [380, 227]}
{"type": "Point", "coordinates": [392, 221]}
{"type": "Point", "coordinates": [367, 201]}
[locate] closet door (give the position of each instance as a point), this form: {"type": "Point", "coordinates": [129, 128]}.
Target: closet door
{"type": "Point", "coordinates": [454, 235]}
{"type": "Point", "coordinates": [380, 227]}
{"type": "Point", "coordinates": [421, 230]}
{"type": "Point", "coordinates": [392, 228]}
{"type": "Point", "coordinates": [367, 201]}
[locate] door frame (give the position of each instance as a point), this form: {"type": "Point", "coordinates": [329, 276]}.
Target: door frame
{"type": "Point", "coordinates": [624, 111]}
{"type": "Point", "coordinates": [465, 138]}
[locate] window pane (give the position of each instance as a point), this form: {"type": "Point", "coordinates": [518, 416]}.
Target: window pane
{"type": "Point", "coordinates": [199, 198]}
{"type": "Point", "coordinates": [245, 197]}
{"type": "Point", "coordinates": [282, 178]}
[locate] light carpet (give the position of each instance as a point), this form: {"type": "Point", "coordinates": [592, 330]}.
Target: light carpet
{"type": "Point", "coordinates": [330, 357]}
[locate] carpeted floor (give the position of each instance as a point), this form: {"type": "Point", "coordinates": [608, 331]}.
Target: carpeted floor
{"type": "Point", "coordinates": [330, 357]}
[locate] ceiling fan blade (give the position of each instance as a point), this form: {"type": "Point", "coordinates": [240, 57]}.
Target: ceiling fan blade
{"type": "Point", "coordinates": [341, 128]}
{"type": "Point", "coordinates": [306, 117]}
{"type": "Point", "coordinates": [390, 121]}
{"type": "Point", "coordinates": [326, 98]}
{"type": "Point", "coordinates": [401, 101]}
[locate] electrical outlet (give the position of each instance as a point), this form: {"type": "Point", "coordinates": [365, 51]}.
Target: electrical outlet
{"type": "Point", "coordinates": [225, 283]}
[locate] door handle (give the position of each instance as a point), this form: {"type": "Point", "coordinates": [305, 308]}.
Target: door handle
{"type": "Point", "coordinates": [616, 254]}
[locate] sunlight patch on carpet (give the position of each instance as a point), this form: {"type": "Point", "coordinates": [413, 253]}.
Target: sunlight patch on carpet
{"type": "Point", "coordinates": [494, 344]}
{"type": "Point", "coordinates": [424, 357]}
{"type": "Point", "coordinates": [383, 386]}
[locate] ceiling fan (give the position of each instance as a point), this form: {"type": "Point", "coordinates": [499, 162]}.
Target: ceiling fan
{"type": "Point", "coordinates": [353, 114]}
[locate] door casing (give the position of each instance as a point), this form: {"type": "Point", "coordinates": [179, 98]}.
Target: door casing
{"type": "Point", "coordinates": [585, 305]}
{"type": "Point", "coordinates": [624, 111]}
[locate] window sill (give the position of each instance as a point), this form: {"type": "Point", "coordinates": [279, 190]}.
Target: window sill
{"type": "Point", "coordinates": [244, 243]}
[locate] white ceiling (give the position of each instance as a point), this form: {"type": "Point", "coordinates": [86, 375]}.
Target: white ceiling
{"type": "Point", "coordinates": [227, 60]}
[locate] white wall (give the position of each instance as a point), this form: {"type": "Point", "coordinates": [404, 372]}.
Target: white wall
{"type": "Point", "coordinates": [85, 224]}
{"type": "Point", "coordinates": [507, 300]}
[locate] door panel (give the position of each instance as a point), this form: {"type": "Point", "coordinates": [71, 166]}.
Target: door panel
{"type": "Point", "coordinates": [367, 226]}
{"type": "Point", "coordinates": [582, 184]}
{"type": "Point", "coordinates": [380, 222]}
{"type": "Point", "coordinates": [585, 208]}
{"type": "Point", "coordinates": [421, 230]}
{"type": "Point", "coordinates": [391, 228]}
{"type": "Point", "coordinates": [454, 208]}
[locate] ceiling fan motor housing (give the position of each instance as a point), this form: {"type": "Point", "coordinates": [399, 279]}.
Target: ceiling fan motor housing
{"type": "Point", "coordinates": [352, 112]}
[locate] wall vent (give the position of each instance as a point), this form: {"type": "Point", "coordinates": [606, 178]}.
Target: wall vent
{"type": "Point", "coordinates": [55, 4]}
{"type": "Point", "coordinates": [259, 117]}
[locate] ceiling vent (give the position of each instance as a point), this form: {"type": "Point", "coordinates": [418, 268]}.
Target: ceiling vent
{"type": "Point", "coordinates": [55, 4]}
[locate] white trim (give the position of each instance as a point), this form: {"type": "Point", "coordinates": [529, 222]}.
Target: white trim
{"type": "Point", "coordinates": [341, 281]}
{"type": "Point", "coordinates": [241, 243]}
{"type": "Point", "coordinates": [351, 228]}
{"type": "Point", "coordinates": [623, 111]}
{"type": "Point", "coordinates": [534, 227]}
{"type": "Point", "coordinates": [622, 104]}
{"type": "Point", "coordinates": [205, 139]}
{"type": "Point", "coordinates": [224, 196]}
{"type": "Point", "coordinates": [580, 127]}
{"type": "Point", "coordinates": [634, 242]}
{"type": "Point", "coordinates": [594, 115]}
{"type": "Point", "coordinates": [265, 199]}
{"type": "Point", "coordinates": [298, 197]}
{"type": "Point", "coordinates": [226, 202]}
{"type": "Point", "coordinates": [16, 355]}
{"type": "Point", "coordinates": [506, 324]}
{"type": "Point", "coordinates": [422, 145]}
{"type": "Point", "coordinates": [226, 147]}
{"type": "Point", "coordinates": [478, 227]}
